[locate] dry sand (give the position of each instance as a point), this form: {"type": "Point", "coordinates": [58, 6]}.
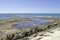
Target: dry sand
{"type": "Point", "coordinates": [49, 35]}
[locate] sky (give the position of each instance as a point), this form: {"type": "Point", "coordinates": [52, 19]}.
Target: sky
{"type": "Point", "coordinates": [29, 6]}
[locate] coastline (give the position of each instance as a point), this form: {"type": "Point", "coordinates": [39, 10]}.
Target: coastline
{"type": "Point", "coordinates": [52, 34]}
{"type": "Point", "coordinates": [23, 33]}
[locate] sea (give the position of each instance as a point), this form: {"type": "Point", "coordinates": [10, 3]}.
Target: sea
{"type": "Point", "coordinates": [37, 21]}
{"type": "Point", "coordinates": [7, 15]}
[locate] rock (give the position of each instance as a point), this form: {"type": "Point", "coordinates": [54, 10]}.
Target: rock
{"type": "Point", "coordinates": [37, 29]}
{"type": "Point", "coordinates": [9, 35]}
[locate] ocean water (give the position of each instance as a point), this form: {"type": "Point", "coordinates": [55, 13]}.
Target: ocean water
{"type": "Point", "coordinates": [6, 16]}
{"type": "Point", "coordinates": [27, 15]}
{"type": "Point", "coordinates": [37, 21]}
{"type": "Point", "coordinates": [30, 14]}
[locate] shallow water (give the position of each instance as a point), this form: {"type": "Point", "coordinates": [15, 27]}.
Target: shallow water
{"type": "Point", "coordinates": [24, 24]}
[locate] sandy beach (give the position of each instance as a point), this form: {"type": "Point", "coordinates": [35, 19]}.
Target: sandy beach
{"type": "Point", "coordinates": [53, 34]}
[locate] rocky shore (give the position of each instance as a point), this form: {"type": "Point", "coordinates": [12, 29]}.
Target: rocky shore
{"type": "Point", "coordinates": [33, 33]}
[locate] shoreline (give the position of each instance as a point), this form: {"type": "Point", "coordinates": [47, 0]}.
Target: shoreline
{"type": "Point", "coordinates": [52, 34]}
{"type": "Point", "coordinates": [22, 33]}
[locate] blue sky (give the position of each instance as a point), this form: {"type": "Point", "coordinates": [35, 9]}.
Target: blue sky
{"type": "Point", "coordinates": [29, 6]}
